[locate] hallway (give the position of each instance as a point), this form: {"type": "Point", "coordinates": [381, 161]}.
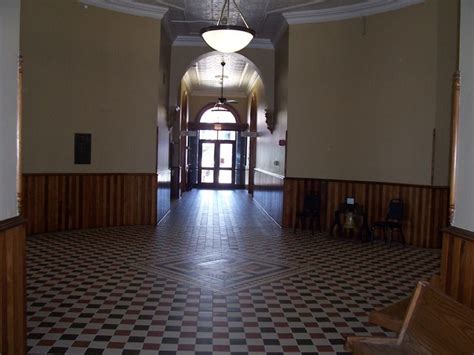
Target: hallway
{"type": "Point", "coordinates": [217, 275]}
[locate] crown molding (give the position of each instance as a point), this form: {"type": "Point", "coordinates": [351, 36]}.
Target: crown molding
{"type": "Point", "coordinates": [129, 7]}
{"type": "Point", "coordinates": [370, 7]}
{"type": "Point", "coordinates": [280, 33]}
{"type": "Point", "coordinates": [168, 29]}
{"type": "Point", "coordinates": [197, 41]}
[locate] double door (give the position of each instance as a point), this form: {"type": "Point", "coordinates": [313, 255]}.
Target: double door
{"type": "Point", "coordinates": [217, 163]}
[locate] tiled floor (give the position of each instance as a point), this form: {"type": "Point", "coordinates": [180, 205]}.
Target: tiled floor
{"type": "Point", "coordinates": [217, 276]}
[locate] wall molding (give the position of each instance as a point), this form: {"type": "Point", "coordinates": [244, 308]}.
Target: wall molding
{"type": "Point", "coordinates": [370, 182]}
{"type": "Point", "coordinates": [11, 223]}
{"type": "Point", "coordinates": [459, 232]}
{"type": "Point", "coordinates": [268, 193]}
{"type": "Point", "coordinates": [197, 41]}
{"type": "Point", "coordinates": [371, 7]}
{"type": "Point", "coordinates": [266, 172]}
{"type": "Point", "coordinates": [129, 7]}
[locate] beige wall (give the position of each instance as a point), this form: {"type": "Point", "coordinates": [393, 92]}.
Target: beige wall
{"type": "Point", "coordinates": [197, 102]}
{"type": "Point", "coordinates": [163, 112]}
{"type": "Point", "coordinates": [9, 45]}
{"type": "Point", "coordinates": [364, 106]}
{"type": "Point", "coordinates": [271, 156]}
{"type": "Point", "coordinates": [448, 29]}
{"type": "Point", "coordinates": [89, 71]}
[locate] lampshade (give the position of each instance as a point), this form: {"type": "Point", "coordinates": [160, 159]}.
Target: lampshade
{"type": "Point", "coordinates": [226, 38]}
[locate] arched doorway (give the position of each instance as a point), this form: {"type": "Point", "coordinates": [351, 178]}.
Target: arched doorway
{"type": "Point", "coordinates": [208, 84]}
{"type": "Point", "coordinates": [218, 152]}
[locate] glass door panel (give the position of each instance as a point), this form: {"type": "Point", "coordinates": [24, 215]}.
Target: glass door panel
{"type": "Point", "coordinates": [226, 155]}
{"type": "Point", "coordinates": [207, 176]}
{"type": "Point", "coordinates": [225, 177]}
{"type": "Point", "coordinates": [208, 155]}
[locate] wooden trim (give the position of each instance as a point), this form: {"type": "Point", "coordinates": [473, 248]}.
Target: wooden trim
{"type": "Point", "coordinates": [89, 174]}
{"type": "Point", "coordinates": [459, 233]}
{"type": "Point", "coordinates": [11, 223]}
{"type": "Point", "coordinates": [58, 202]}
{"type": "Point", "coordinates": [457, 265]}
{"type": "Point", "coordinates": [13, 287]}
{"type": "Point", "coordinates": [266, 172]}
{"type": "Point", "coordinates": [455, 111]}
{"type": "Point", "coordinates": [252, 144]}
{"type": "Point", "coordinates": [369, 182]}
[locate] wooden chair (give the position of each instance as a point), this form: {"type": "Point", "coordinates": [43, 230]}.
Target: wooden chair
{"type": "Point", "coordinates": [434, 324]}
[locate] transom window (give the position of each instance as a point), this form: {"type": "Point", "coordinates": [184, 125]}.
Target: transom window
{"type": "Point", "coordinates": [217, 135]}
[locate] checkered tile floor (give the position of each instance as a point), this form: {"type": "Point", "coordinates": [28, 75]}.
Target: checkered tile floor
{"type": "Point", "coordinates": [216, 276]}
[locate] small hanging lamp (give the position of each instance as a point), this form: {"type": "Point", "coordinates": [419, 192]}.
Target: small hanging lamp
{"type": "Point", "coordinates": [228, 38]}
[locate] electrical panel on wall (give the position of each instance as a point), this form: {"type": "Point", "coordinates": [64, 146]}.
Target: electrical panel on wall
{"type": "Point", "coordinates": [82, 148]}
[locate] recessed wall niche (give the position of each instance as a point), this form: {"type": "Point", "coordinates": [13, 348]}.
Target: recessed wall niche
{"type": "Point", "coordinates": [82, 148]}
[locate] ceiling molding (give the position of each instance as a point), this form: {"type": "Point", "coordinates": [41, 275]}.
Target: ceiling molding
{"type": "Point", "coordinates": [129, 7]}
{"type": "Point", "coordinates": [367, 8]}
{"type": "Point", "coordinates": [168, 29]}
{"type": "Point", "coordinates": [280, 33]}
{"type": "Point", "coordinates": [197, 41]}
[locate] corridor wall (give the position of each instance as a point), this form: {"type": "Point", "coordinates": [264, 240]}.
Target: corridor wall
{"type": "Point", "coordinates": [90, 70]}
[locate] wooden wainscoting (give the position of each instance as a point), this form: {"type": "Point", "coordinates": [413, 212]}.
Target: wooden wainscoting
{"type": "Point", "coordinates": [426, 207]}
{"type": "Point", "coordinates": [457, 265]}
{"type": "Point", "coordinates": [57, 202]}
{"type": "Point", "coordinates": [163, 194]}
{"type": "Point", "coordinates": [268, 193]}
{"type": "Point", "coordinates": [12, 287]}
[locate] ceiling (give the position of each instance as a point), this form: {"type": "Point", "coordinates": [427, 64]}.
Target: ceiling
{"type": "Point", "coordinates": [187, 17]}
{"type": "Point", "coordinates": [184, 19]}
{"type": "Point", "coordinates": [204, 76]}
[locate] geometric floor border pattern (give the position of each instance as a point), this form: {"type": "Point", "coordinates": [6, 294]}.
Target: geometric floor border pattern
{"type": "Point", "coordinates": [225, 272]}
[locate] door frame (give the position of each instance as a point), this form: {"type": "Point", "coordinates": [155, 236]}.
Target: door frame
{"type": "Point", "coordinates": [217, 168]}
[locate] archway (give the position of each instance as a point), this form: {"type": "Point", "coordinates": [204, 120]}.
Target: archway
{"type": "Point", "coordinates": [207, 95]}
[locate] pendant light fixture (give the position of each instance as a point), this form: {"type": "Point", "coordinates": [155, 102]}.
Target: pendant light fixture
{"type": "Point", "coordinates": [228, 38]}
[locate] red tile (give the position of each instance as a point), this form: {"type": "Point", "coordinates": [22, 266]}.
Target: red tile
{"type": "Point", "coordinates": [151, 346]}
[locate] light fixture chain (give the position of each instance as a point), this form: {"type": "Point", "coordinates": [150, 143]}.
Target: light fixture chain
{"type": "Point", "coordinates": [222, 79]}
{"type": "Point", "coordinates": [240, 14]}
{"type": "Point", "coordinates": [226, 2]}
